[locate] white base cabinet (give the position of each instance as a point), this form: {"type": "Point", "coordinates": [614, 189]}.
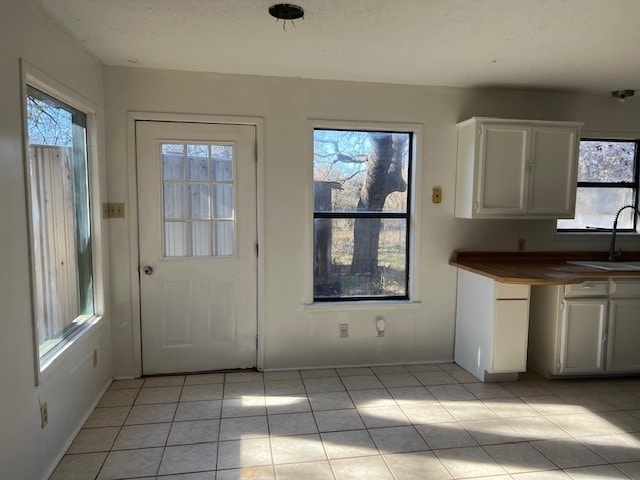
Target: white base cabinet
{"type": "Point", "coordinates": [585, 329]}
{"type": "Point", "coordinates": [491, 327]}
{"type": "Point", "coordinates": [582, 335]}
{"type": "Point", "coordinates": [623, 347]}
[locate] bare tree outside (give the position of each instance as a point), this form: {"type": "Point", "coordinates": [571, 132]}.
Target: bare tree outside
{"type": "Point", "coordinates": [361, 224]}
{"type": "Point", "coordinates": [602, 161]}
{"type": "Point", "coordinates": [48, 124]}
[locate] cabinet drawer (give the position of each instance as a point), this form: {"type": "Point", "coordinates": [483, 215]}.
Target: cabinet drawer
{"type": "Point", "coordinates": [623, 287]}
{"type": "Point", "coordinates": [590, 288]}
{"type": "Point", "coordinates": [511, 291]}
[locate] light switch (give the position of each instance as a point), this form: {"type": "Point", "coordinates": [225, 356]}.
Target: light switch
{"type": "Point", "coordinates": [113, 210]}
{"type": "Point", "coordinates": [436, 196]}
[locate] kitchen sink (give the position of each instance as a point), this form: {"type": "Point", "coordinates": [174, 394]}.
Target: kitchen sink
{"type": "Point", "coordinates": [604, 265]}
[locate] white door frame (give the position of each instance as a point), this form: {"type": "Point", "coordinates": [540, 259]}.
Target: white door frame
{"type": "Point", "coordinates": [132, 117]}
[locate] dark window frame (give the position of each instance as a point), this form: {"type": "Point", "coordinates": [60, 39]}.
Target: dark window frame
{"type": "Point", "coordinates": [406, 216]}
{"type": "Point", "coordinates": [635, 185]}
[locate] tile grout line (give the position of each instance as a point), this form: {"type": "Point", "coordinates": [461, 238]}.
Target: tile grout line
{"type": "Point", "coordinates": [164, 449]}
{"type": "Point", "coordinates": [224, 384]}
{"type": "Point", "coordinates": [324, 448]}
{"type": "Point", "coordinates": [119, 430]}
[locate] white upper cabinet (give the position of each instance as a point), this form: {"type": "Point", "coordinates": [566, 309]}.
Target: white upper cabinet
{"type": "Point", "coordinates": [502, 165]}
{"type": "Point", "coordinates": [516, 168]}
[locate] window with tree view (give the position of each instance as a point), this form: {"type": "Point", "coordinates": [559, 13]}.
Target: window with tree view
{"type": "Point", "coordinates": [607, 181]}
{"type": "Point", "coordinates": [60, 219]}
{"type": "Point", "coordinates": [362, 197]}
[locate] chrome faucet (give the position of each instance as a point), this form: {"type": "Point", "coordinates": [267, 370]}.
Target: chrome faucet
{"type": "Point", "coordinates": [612, 247]}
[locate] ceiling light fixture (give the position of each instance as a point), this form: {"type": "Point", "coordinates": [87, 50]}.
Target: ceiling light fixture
{"type": "Point", "coordinates": [286, 11]}
{"type": "Point", "coordinates": [622, 94]}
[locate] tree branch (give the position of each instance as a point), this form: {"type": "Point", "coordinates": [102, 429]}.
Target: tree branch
{"type": "Point", "coordinates": [342, 158]}
{"type": "Point", "coordinates": [345, 180]}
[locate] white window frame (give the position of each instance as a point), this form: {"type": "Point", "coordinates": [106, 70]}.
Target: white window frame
{"type": "Point", "coordinates": [415, 215]}
{"type": "Point", "coordinates": [33, 77]}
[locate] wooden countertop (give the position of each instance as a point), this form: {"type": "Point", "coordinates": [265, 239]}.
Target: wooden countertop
{"type": "Point", "coordinates": [538, 268]}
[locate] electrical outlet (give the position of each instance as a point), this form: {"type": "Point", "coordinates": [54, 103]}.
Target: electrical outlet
{"type": "Point", "coordinates": [381, 325]}
{"type": "Point", "coordinates": [343, 330]}
{"type": "Point", "coordinates": [95, 357]}
{"type": "Point", "coordinates": [521, 244]}
{"type": "Point", "coordinates": [44, 415]}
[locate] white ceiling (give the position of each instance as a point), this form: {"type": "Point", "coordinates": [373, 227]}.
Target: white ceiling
{"type": "Point", "coordinates": [582, 45]}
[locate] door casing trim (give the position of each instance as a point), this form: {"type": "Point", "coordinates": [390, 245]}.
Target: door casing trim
{"type": "Point", "coordinates": [134, 247]}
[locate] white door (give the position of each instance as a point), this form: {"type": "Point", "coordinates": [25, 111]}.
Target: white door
{"type": "Point", "coordinates": [623, 354]}
{"type": "Point", "coordinates": [582, 336]}
{"type": "Point", "coordinates": [198, 260]}
{"type": "Point", "coordinates": [504, 153]}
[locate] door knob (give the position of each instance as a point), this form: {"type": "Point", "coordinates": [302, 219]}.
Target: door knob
{"type": "Point", "coordinates": [147, 270]}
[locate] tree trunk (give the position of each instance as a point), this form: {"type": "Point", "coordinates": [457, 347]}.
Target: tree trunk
{"type": "Point", "coordinates": [384, 176]}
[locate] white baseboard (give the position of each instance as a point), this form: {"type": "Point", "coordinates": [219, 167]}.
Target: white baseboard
{"type": "Point", "coordinates": [69, 441]}
{"type": "Point", "coordinates": [322, 367]}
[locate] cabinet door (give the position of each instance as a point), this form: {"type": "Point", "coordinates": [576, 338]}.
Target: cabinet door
{"type": "Point", "coordinates": [582, 336]}
{"type": "Point", "coordinates": [510, 336]}
{"type": "Point", "coordinates": [552, 182]}
{"type": "Point", "coordinates": [623, 354]}
{"type": "Point", "coordinates": [501, 187]}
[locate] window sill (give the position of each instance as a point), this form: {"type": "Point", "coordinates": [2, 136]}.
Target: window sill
{"type": "Point", "coordinates": [57, 356]}
{"type": "Point", "coordinates": [360, 306]}
{"type": "Point", "coordinates": [595, 236]}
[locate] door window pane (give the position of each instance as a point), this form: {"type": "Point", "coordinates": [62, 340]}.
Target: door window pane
{"type": "Point", "coordinates": [224, 239]}
{"type": "Point", "coordinates": [192, 203]}
{"type": "Point", "coordinates": [223, 201]}
{"type": "Point", "coordinates": [199, 201]}
{"type": "Point", "coordinates": [198, 168]}
{"type": "Point", "coordinates": [222, 163]}
{"type": "Point", "coordinates": [198, 157]}
{"type": "Point", "coordinates": [173, 148]}
{"type": "Point", "coordinates": [174, 201]}
{"type": "Point", "coordinates": [201, 239]}
{"type": "Point", "coordinates": [222, 169]}
{"type": "Point", "coordinates": [174, 239]}
{"type": "Point", "coordinates": [198, 151]}
{"type": "Point", "coordinates": [172, 162]}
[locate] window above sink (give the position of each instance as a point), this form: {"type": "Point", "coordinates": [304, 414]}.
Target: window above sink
{"type": "Point", "coordinates": [608, 178]}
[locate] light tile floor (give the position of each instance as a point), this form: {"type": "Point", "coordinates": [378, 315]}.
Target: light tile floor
{"type": "Point", "coordinates": [413, 422]}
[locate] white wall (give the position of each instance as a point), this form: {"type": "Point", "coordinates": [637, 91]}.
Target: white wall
{"type": "Point", "coordinates": [26, 451]}
{"type": "Point", "coordinates": [295, 337]}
